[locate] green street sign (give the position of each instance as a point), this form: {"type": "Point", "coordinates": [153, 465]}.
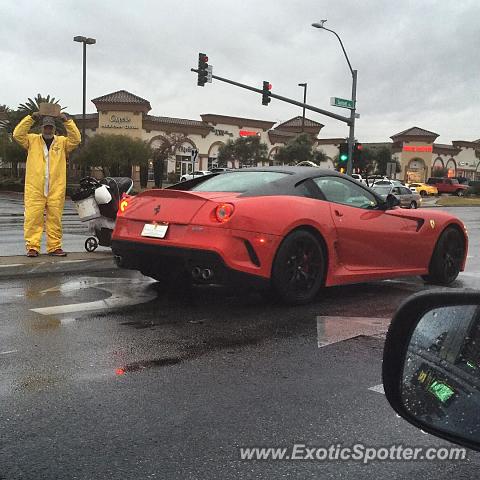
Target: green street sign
{"type": "Point", "coordinates": [341, 102]}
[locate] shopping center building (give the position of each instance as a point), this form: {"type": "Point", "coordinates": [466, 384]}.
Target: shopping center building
{"type": "Point", "coordinates": [127, 114]}
{"type": "Point", "coordinates": [420, 157]}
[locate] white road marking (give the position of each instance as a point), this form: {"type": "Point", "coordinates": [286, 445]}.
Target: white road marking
{"type": "Point", "coordinates": [8, 352]}
{"type": "Point", "coordinates": [378, 389]}
{"type": "Point", "coordinates": [337, 329]}
{"type": "Point", "coordinates": [121, 295]}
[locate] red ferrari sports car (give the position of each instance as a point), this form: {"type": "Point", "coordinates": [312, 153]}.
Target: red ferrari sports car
{"type": "Point", "coordinates": [292, 230]}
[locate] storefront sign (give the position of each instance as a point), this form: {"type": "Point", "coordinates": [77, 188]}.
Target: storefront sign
{"type": "Point", "coordinates": [116, 121]}
{"type": "Point", "coordinates": [248, 133]}
{"type": "Point", "coordinates": [185, 148]}
{"type": "Point", "coordinates": [423, 148]}
{"type": "Point", "coordinates": [221, 133]}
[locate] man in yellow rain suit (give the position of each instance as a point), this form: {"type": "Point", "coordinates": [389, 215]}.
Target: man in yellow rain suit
{"type": "Point", "coordinates": [45, 180]}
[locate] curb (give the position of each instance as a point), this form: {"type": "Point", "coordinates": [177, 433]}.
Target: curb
{"type": "Point", "coordinates": [457, 206]}
{"type": "Point", "coordinates": [21, 266]}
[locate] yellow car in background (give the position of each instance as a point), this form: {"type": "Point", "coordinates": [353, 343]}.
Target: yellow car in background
{"type": "Point", "coordinates": [424, 189]}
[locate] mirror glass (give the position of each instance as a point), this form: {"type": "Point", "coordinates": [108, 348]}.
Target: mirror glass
{"type": "Point", "coordinates": [441, 374]}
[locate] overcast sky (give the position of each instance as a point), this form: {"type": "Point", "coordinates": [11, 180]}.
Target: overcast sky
{"type": "Point", "coordinates": [418, 61]}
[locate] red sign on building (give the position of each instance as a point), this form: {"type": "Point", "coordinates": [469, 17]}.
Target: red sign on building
{"type": "Point", "coordinates": [423, 148]}
{"type": "Point", "coordinates": [248, 133]}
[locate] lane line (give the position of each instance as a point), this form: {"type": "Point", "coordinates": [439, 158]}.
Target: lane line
{"type": "Point", "coordinates": [378, 389]}
{"type": "Point", "coordinates": [337, 329]}
{"type": "Point", "coordinates": [8, 352]}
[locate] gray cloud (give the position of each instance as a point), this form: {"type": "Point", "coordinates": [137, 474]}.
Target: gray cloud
{"type": "Point", "coordinates": [417, 61]}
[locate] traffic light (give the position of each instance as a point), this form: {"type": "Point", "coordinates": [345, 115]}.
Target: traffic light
{"type": "Point", "coordinates": [265, 95]}
{"type": "Point", "coordinates": [357, 153]}
{"type": "Point", "coordinates": [343, 155]}
{"type": "Point", "coordinates": [202, 69]}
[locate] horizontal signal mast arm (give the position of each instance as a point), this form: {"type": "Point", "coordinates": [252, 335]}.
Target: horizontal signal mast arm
{"type": "Point", "coordinates": [283, 99]}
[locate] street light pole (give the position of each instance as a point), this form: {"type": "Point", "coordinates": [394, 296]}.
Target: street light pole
{"type": "Point", "coordinates": [86, 41]}
{"type": "Point", "coordinates": [304, 85]}
{"type": "Point", "coordinates": [351, 136]}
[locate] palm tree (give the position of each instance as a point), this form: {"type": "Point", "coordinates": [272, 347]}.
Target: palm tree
{"type": "Point", "coordinates": [33, 105]}
{"type": "Point", "coordinates": [4, 110]}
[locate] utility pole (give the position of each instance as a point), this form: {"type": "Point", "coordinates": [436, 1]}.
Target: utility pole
{"type": "Point", "coordinates": [304, 85]}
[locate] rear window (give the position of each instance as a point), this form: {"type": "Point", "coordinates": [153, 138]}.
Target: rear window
{"type": "Point", "coordinates": [382, 190]}
{"type": "Point", "coordinates": [237, 181]}
{"type": "Point", "coordinates": [433, 181]}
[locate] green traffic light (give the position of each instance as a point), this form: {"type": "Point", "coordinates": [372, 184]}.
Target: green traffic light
{"type": "Point", "coordinates": [343, 158]}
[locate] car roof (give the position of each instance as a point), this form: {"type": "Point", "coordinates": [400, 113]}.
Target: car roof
{"type": "Point", "coordinates": [297, 172]}
{"type": "Point", "coordinates": [286, 185]}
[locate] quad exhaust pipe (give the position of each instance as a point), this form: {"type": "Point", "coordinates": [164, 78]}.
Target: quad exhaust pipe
{"type": "Point", "coordinates": [202, 273]}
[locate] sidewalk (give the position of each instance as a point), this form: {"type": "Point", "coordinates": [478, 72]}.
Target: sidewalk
{"type": "Point", "coordinates": [11, 227]}
{"type": "Point", "coordinates": [21, 265]}
{"type": "Point", "coordinates": [14, 262]}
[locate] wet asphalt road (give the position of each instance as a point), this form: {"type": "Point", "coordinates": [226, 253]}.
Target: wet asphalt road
{"type": "Point", "coordinates": [173, 386]}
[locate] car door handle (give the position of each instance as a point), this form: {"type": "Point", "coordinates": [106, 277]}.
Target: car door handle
{"type": "Point", "coordinates": [338, 213]}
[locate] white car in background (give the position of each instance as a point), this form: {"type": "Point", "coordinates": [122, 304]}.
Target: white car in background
{"type": "Point", "coordinates": [357, 177]}
{"type": "Point", "coordinates": [197, 173]}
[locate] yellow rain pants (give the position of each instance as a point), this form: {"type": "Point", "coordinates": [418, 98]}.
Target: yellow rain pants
{"type": "Point", "coordinates": [45, 190]}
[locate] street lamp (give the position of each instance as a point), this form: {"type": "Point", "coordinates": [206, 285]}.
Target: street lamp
{"type": "Point", "coordinates": [86, 41]}
{"type": "Point", "coordinates": [351, 137]}
{"type": "Point", "coordinates": [304, 85]}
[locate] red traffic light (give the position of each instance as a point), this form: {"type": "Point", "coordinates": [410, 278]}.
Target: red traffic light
{"type": "Point", "coordinates": [269, 86]}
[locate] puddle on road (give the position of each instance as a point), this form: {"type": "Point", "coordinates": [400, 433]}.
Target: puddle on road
{"type": "Point", "coordinates": [230, 344]}
{"type": "Point", "coordinates": [142, 365]}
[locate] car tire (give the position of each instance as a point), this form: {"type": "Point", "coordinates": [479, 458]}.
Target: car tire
{"type": "Point", "coordinates": [460, 193]}
{"type": "Point", "coordinates": [413, 204]}
{"type": "Point", "coordinates": [423, 193]}
{"type": "Point", "coordinates": [299, 268]}
{"type": "Point", "coordinates": [183, 179]}
{"type": "Point", "coordinates": [447, 258]}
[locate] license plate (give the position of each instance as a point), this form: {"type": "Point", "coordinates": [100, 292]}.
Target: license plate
{"type": "Point", "coordinates": [154, 230]}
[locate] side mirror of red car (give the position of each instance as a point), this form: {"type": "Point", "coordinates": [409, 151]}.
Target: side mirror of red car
{"type": "Point", "coordinates": [391, 202]}
{"type": "Point", "coordinates": [431, 364]}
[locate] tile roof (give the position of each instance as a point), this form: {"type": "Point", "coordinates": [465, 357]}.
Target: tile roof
{"type": "Point", "coordinates": [121, 96]}
{"type": "Point", "coordinates": [297, 122]}
{"type": "Point", "coordinates": [415, 132]}
{"type": "Point", "coordinates": [88, 116]}
{"type": "Point", "coordinates": [281, 133]}
{"type": "Point", "coordinates": [445, 145]}
{"type": "Point", "coordinates": [176, 121]}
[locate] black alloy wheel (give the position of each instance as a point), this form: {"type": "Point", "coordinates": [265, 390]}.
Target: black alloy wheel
{"type": "Point", "coordinates": [447, 258]}
{"type": "Point", "coordinates": [299, 268]}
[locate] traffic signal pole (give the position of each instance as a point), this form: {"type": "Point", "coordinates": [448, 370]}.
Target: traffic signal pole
{"type": "Point", "coordinates": [341, 118]}
{"type": "Point", "coordinates": [351, 136]}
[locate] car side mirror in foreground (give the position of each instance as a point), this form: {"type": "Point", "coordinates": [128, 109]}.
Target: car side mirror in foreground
{"type": "Point", "coordinates": [431, 364]}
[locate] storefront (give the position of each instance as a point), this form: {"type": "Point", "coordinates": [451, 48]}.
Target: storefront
{"type": "Point", "coordinates": [173, 139]}
{"type": "Point", "coordinates": [420, 157]}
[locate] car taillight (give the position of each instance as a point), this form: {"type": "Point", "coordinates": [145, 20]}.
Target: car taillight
{"type": "Point", "coordinates": [224, 212]}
